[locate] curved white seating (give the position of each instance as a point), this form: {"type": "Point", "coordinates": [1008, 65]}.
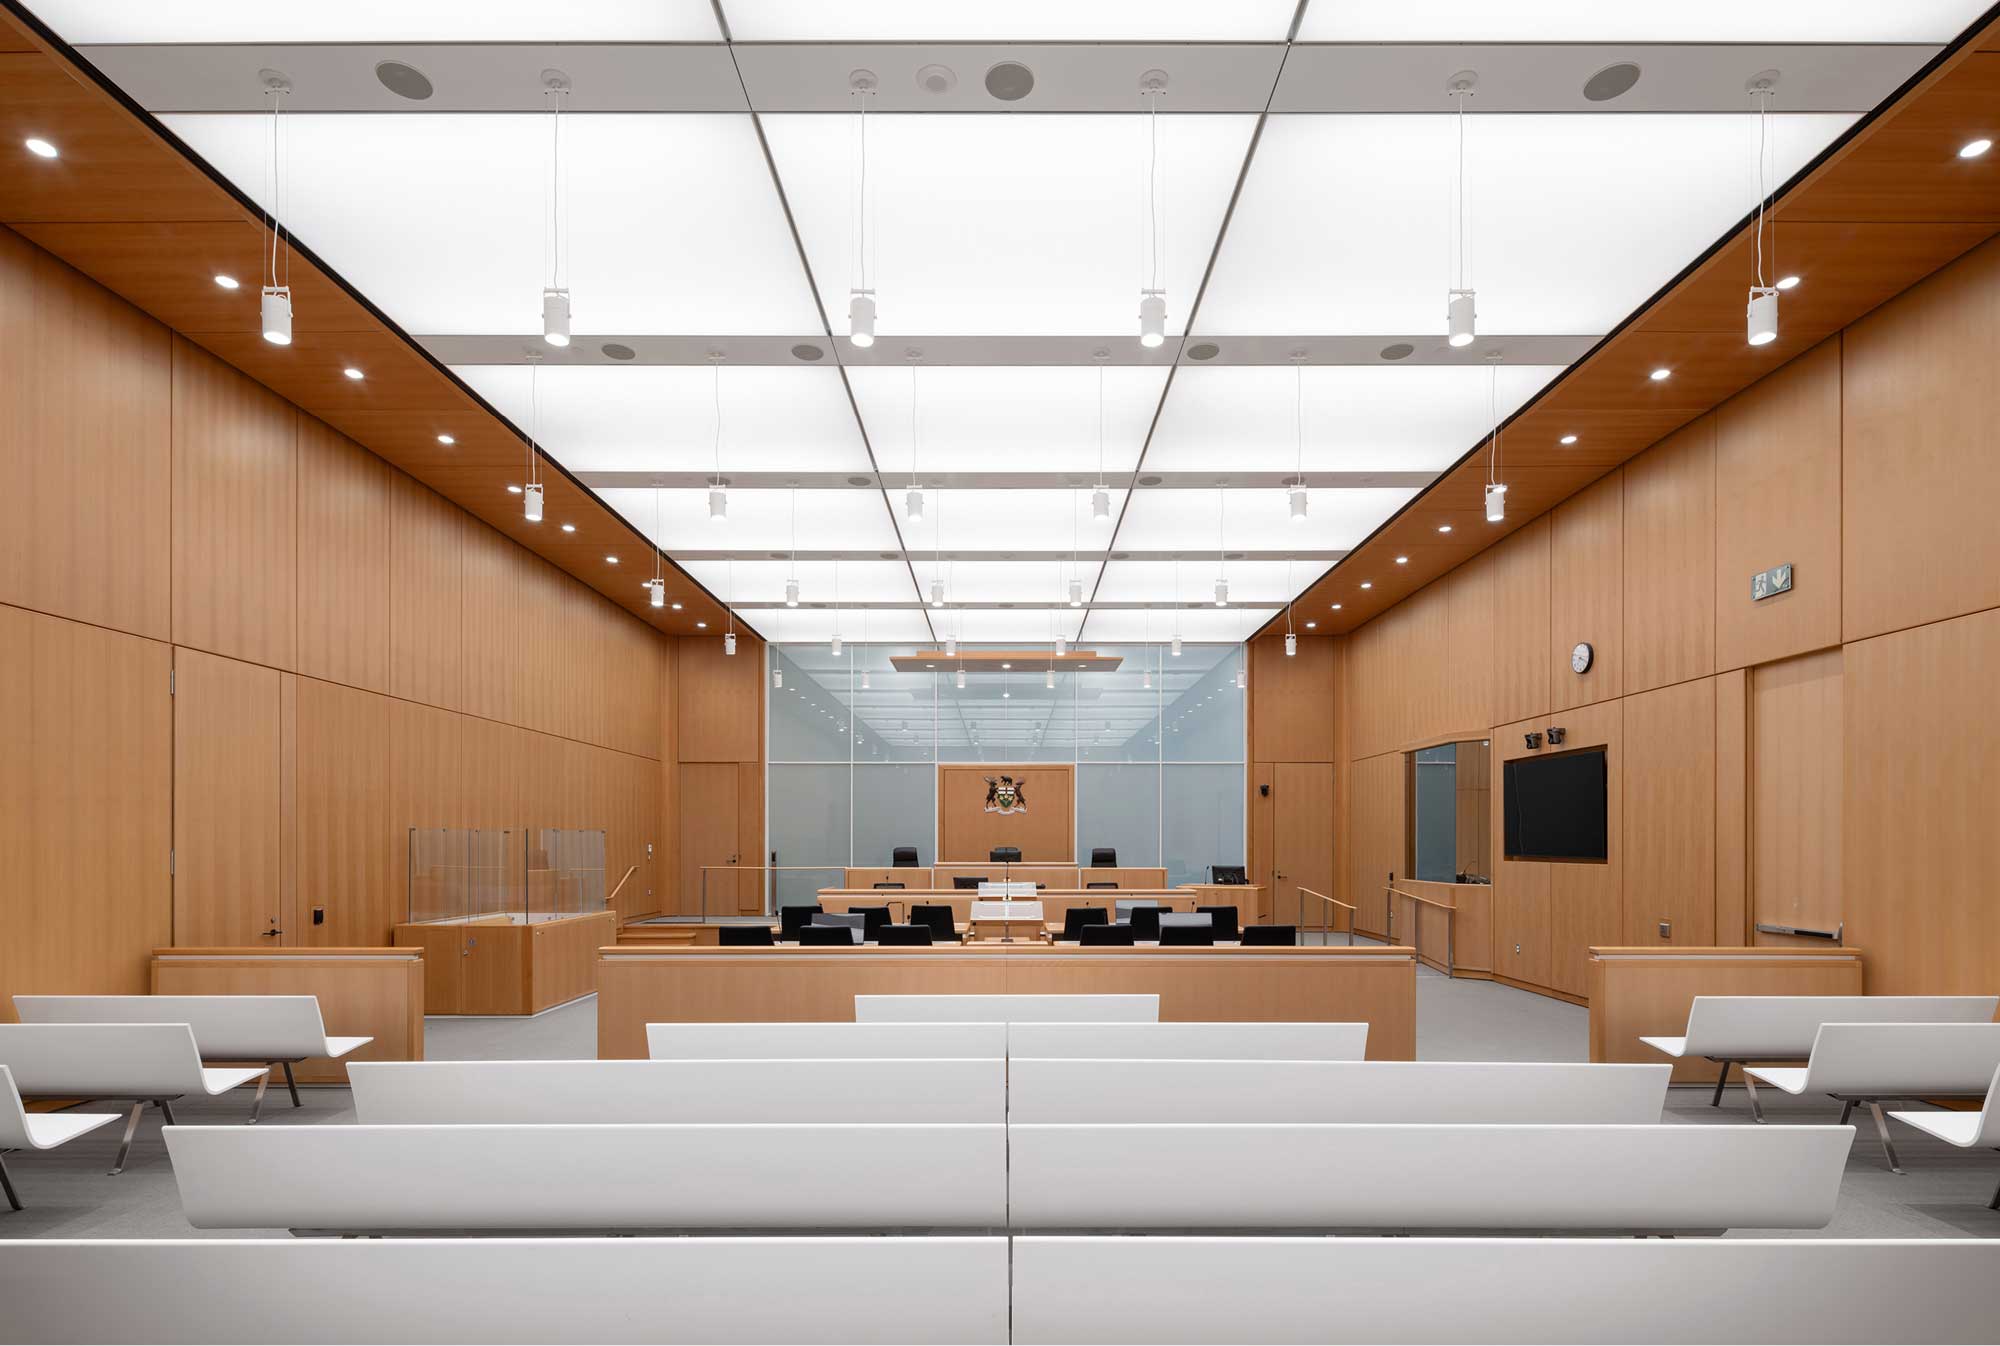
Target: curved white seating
{"type": "Point", "coordinates": [24, 1130]}
{"type": "Point", "coordinates": [1416, 1177]}
{"type": "Point", "coordinates": [146, 1063]}
{"type": "Point", "coordinates": [797, 1041]}
{"type": "Point", "coordinates": [499, 1179]}
{"type": "Point", "coordinates": [1191, 1041]}
{"type": "Point", "coordinates": [1868, 1062]}
{"type": "Point", "coordinates": [1966, 1130]}
{"type": "Point", "coordinates": [1006, 1009]}
{"type": "Point", "coordinates": [822, 1090]}
{"type": "Point", "coordinates": [281, 1030]}
{"type": "Point", "coordinates": [1258, 1290]}
{"type": "Point", "coordinates": [673, 1290]}
{"type": "Point", "coordinates": [1333, 1091]}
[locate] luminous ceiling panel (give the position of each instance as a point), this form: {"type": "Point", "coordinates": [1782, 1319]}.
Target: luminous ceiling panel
{"type": "Point", "coordinates": [761, 520]}
{"type": "Point", "coordinates": [1256, 521]}
{"type": "Point", "coordinates": [1018, 520]}
{"type": "Point", "coordinates": [1005, 581]}
{"type": "Point", "coordinates": [661, 418]}
{"type": "Point", "coordinates": [1195, 624]}
{"type": "Point", "coordinates": [82, 21]}
{"type": "Point", "coordinates": [1343, 226]}
{"type": "Point", "coordinates": [1249, 581]}
{"type": "Point", "coordinates": [1008, 224]}
{"type": "Point", "coordinates": [1022, 419]}
{"type": "Point", "coordinates": [1399, 418]}
{"type": "Point", "coordinates": [440, 219]}
{"type": "Point", "coordinates": [1013, 21]}
{"type": "Point", "coordinates": [817, 624]}
{"type": "Point", "coordinates": [1027, 628]}
{"type": "Point", "coordinates": [764, 582]}
{"type": "Point", "coordinates": [1599, 21]}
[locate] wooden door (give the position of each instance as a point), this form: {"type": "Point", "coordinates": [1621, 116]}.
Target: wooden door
{"type": "Point", "coordinates": [710, 807]}
{"type": "Point", "coordinates": [1797, 738]}
{"type": "Point", "coordinates": [227, 892]}
{"type": "Point", "coordinates": [1301, 839]}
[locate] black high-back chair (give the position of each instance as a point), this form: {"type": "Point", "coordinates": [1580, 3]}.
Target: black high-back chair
{"type": "Point", "coordinates": [936, 917]}
{"type": "Point", "coordinates": [838, 935]}
{"type": "Point", "coordinates": [791, 919]}
{"type": "Point", "coordinates": [1224, 921]}
{"type": "Point", "coordinates": [872, 920]}
{"type": "Point", "coordinates": [1077, 918]}
{"type": "Point", "coordinates": [1005, 855]}
{"type": "Point", "coordinates": [1185, 930]}
{"type": "Point", "coordinates": [744, 934]}
{"type": "Point", "coordinates": [1271, 934]}
{"type": "Point", "coordinates": [1104, 857]}
{"type": "Point", "coordinates": [971, 881]}
{"type": "Point", "coordinates": [903, 857]}
{"type": "Point", "coordinates": [1106, 934]}
{"type": "Point", "coordinates": [903, 934]}
{"type": "Point", "coordinates": [897, 886]}
{"type": "Point", "coordinates": [1146, 922]}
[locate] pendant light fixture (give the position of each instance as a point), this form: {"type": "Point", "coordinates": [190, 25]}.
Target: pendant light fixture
{"type": "Point", "coordinates": [718, 489]}
{"type": "Point", "coordinates": [961, 679]}
{"type": "Point", "coordinates": [792, 575]}
{"type": "Point", "coordinates": [1496, 489]}
{"type": "Point", "coordinates": [937, 555]}
{"type": "Point", "coordinates": [531, 490]}
{"type": "Point", "coordinates": [1291, 636]}
{"type": "Point", "coordinates": [1242, 677]}
{"type": "Point", "coordinates": [1177, 608]}
{"type": "Point", "coordinates": [276, 301]}
{"type": "Point", "coordinates": [1459, 316]}
{"type": "Point", "coordinates": [861, 85]}
{"type": "Point", "coordinates": [1062, 639]}
{"type": "Point", "coordinates": [835, 643]}
{"type": "Point", "coordinates": [656, 587]}
{"type": "Point", "coordinates": [863, 658]}
{"type": "Point", "coordinates": [729, 604]}
{"type": "Point", "coordinates": [1761, 316]}
{"type": "Point", "coordinates": [1221, 573]}
{"type": "Point", "coordinates": [777, 671]}
{"type": "Point", "coordinates": [1153, 298]}
{"type": "Point", "coordinates": [1295, 490]}
{"type": "Point", "coordinates": [555, 295]}
{"type": "Point", "coordinates": [1075, 579]}
{"type": "Point", "coordinates": [1100, 498]}
{"type": "Point", "coordinates": [950, 645]}
{"type": "Point", "coordinates": [913, 500]}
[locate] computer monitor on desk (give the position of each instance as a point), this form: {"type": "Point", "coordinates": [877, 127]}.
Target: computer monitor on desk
{"type": "Point", "coordinates": [1227, 874]}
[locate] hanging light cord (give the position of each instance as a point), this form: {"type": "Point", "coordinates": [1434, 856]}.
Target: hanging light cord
{"type": "Point", "coordinates": [1763, 97]}
{"type": "Point", "coordinates": [1221, 513]}
{"type": "Point", "coordinates": [795, 531]}
{"type": "Point", "coordinates": [913, 427]}
{"type": "Point", "coordinates": [534, 412]}
{"type": "Point", "coordinates": [1462, 255]}
{"type": "Point", "coordinates": [1100, 423]}
{"type": "Point", "coordinates": [556, 239]}
{"type": "Point", "coordinates": [277, 188]}
{"type": "Point", "coordinates": [715, 363]}
{"type": "Point", "coordinates": [1299, 418]}
{"type": "Point", "coordinates": [1293, 599]}
{"type": "Point", "coordinates": [1156, 226]}
{"type": "Point", "coordinates": [861, 197]}
{"type": "Point", "coordinates": [658, 576]}
{"type": "Point", "coordinates": [1493, 418]}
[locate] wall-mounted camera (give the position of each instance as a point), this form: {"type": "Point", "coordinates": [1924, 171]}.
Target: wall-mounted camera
{"type": "Point", "coordinates": [1556, 733]}
{"type": "Point", "coordinates": [1532, 740]}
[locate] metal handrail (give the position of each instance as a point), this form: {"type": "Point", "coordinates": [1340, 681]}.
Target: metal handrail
{"type": "Point", "coordinates": [609, 901]}
{"type": "Point", "coordinates": [1417, 931]}
{"type": "Point", "coordinates": [1327, 916]}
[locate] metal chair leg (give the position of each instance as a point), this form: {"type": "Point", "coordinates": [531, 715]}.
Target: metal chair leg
{"type": "Point", "coordinates": [1756, 1108]}
{"type": "Point", "coordinates": [125, 1145]}
{"type": "Point", "coordinates": [1994, 1204]}
{"type": "Point", "coordinates": [166, 1111]}
{"type": "Point", "coordinates": [1882, 1127]}
{"type": "Point", "coordinates": [257, 1108]}
{"type": "Point", "coordinates": [1720, 1080]}
{"type": "Point", "coordinates": [14, 1201]}
{"type": "Point", "coordinates": [293, 1085]}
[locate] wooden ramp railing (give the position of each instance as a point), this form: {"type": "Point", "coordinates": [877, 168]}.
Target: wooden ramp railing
{"type": "Point", "coordinates": [1326, 913]}
{"type": "Point", "coordinates": [1417, 926]}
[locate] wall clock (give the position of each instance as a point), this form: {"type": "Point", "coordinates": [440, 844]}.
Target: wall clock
{"type": "Point", "coordinates": [1579, 658]}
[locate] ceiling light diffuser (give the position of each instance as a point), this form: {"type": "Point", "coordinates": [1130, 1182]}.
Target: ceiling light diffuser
{"type": "Point", "coordinates": [43, 149]}
{"type": "Point", "coordinates": [1787, 282]}
{"type": "Point", "coordinates": [227, 282]}
{"type": "Point", "coordinates": [277, 313]}
{"type": "Point", "coordinates": [861, 318]}
{"type": "Point", "coordinates": [531, 501]}
{"type": "Point", "coordinates": [1971, 150]}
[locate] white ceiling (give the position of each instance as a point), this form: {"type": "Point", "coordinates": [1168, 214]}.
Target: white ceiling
{"type": "Point", "coordinates": [711, 205]}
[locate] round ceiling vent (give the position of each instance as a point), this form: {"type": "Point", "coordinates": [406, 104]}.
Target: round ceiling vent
{"type": "Point", "coordinates": [805, 350]}
{"type": "Point", "coordinates": [1010, 81]}
{"type": "Point", "coordinates": [1149, 481]}
{"type": "Point", "coordinates": [617, 350]}
{"type": "Point", "coordinates": [777, 556]}
{"type": "Point", "coordinates": [404, 81]}
{"type": "Point", "coordinates": [1611, 82]}
{"type": "Point", "coordinates": [861, 481]}
{"type": "Point", "coordinates": [1398, 350]}
{"type": "Point", "coordinates": [1204, 350]}
{"type": "Point", "coordinates": [1121, 556]}
{"type": "Point", "coordinates": [937, 79]}
{"type": "Point", "coordinates": [890, 555]}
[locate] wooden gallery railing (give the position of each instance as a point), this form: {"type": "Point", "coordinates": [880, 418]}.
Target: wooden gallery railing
{"type": "Point", "coordinates": [1326, 914]}
{"type": "Point", "coordinates": [1417, 926]}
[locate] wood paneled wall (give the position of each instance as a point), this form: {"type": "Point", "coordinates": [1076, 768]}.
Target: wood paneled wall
{"type": "Point", "coordinates": [1297, 789]}
{"type": "Point", "coordinates": [712, 797]}
{"type": "Point", "coordinates": [1818, 759]}
{"type": "Point", "coordinates": [351, 655]}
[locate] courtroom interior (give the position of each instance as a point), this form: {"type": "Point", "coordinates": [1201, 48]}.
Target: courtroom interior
{"type": "Point", "coordinates": [1106, 671]}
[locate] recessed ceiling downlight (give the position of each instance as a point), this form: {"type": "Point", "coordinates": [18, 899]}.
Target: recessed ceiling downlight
{"type": "Point", "coordinates": [404, 81]}
{"type": "Point", "coordinates": [1611, 82]}
{"type": "Point", "coordinates": [807, 351]}
{"type": "Point", "coordinates": [1010, 81]}
{"type": "Point", "coordinates": [1204, 350]}
{"type": "Point", "coordinates": [1398, 350]}
{"type": "Point", "coordinates": [937, 79]}
{"type": "Point", "coordinates": [617, 350]}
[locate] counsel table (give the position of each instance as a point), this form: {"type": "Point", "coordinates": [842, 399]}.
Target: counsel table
{"type": "Point", "coordinates": [638, 985]}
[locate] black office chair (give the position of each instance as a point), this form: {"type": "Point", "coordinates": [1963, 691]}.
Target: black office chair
{"type": "Point", "coordinates": [872, 920]}
{"type": "Point", "coordinates": [1146, 922]}
{"type": "Point", "coordinates": [1186, 930]}
{"type": "Point", "coordinates": [971, 881]}
{"type": "Point", "coordinates": [1230, 874]}
{"type": "Point", "coordinates": [1112, 886]}
{"type": "Point", "coordinates": [1097, 935]}
{"type": "Point", "coordinates": [897, 886]}
{"type": "Point", "coordinates": [1076, 918]}
{"type": "Point", "coordinates": [1224, 920]}
{"type": "Point", "coordinates": [837, 935]}
{"type": "Point", "coordinates": [744, 934]}
{"type": "Point", "coordinates": [936, 917]}
{"type": "Point", "coordinates": [1104, 857]}
{"type": "Point", "coordinates": [793, 918]}
{"type": "Point", "coordinates": [903, 934]}
{"type": "Point", "coordinates": [1005, 855]}
{"type": "Point", "coordinates": [1271, 934]}
{"type": "Point", "coordinates": [903, 857]}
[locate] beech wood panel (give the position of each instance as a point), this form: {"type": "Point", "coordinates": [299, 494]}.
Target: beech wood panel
{"type": "Point", "coordinates": [426, 595]}
{"type": "Point", "coordinates": [226, 802]}
{"type": "Point", "coordinates": [1587, 594]}
{"type": "Point", "coordinates": [1521, 932]}
{"type": "Point", "coordinates": [1046, 832]}
{"type": "Point", "coordinates": [344, 557]}
{"type": "Point", "coordinates": [1376, 789]}
{"type": "Point", "coordinates": [719, 700]}
{"type": "Point", "coordinates": [347, 843]}
{"type": "Point", "coordinates": [1669, 601]}
{"type": "Point", "coordinates": [1732, 807]}
{"type": "Point", "coordinates": [1796, 733]}
{"type": "Point", "coordinates": [1669, 831]}
{"type": "Point", "coordinates": [1586, 901]}
{"type": "Point", "coordinates": [425, 784]}
{"type": "Point", "coordinates": [1521, 624]}
{"type": "Point", "coordinates": [1302, 837]}
{"type": "Point", "coordinates": [1291, 700]}
{"type": "Point", "coordinates": [562, 957]}
{"type": "Point", "coordinates": [709, 836]}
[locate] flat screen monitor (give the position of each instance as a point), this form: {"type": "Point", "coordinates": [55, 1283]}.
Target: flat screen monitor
{"type": "Point", "coordinates": [1555, 807]}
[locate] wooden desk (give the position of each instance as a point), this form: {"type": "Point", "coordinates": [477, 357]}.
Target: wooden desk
{"type": "Point", "coordinates": [377, 993]}
{"type": "Point", "coordinates": [637, 986]}
{"type": "Point", "coordinates": [499, 966]}
{"type": "Point", "coordinates": [1248, 898]}
{"type": "Point", "coordinates": [1649, 990]}
{"type": "Point", "coordinates": [868, 878]}
{"type": "Point", "coordinates": [1055, 901]}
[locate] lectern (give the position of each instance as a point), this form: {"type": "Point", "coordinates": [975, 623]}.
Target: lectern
{"type": "Point", "coordinates": [1007, 915]}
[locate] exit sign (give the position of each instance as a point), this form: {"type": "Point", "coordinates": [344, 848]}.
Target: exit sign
{"type": "Point", "coordinates": [1767, 583]}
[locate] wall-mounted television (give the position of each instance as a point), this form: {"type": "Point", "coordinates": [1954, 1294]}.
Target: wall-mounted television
{"type": "Point", "coordinates": [1555, 807]}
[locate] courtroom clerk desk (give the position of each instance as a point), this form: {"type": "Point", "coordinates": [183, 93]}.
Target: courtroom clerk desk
{"type": "Point", "coordinates": [692, 984]}
{"type": "Point", "coordinates": [1055, 901]}
{"type": "Point", "coordinates": [1247, 898]}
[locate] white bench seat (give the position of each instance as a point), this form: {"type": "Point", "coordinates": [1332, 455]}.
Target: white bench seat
{"type": "Point", "coordinates": [24, 1130]}
{"type": "Point", "coordinates": [142, 1063]}
{"type": "Point", "coordinates": [1966, 1130]}
{"type": "Point", "coordinates": [849, 1041]}
{"type": "Point", "coordinates": [1006, 1009]}
{"type": "Point", "coordinates": [1868, 1062]}
{"type": "Point", "coordinates": [1190, 1041]}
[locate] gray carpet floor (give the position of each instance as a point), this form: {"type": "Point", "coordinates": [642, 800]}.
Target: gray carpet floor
{"type": "Point", "coordinates": [1942, 1193]}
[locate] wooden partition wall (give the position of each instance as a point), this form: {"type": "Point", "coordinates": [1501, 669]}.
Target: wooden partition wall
{"type": "Point", "coordinates": [1045, 830]}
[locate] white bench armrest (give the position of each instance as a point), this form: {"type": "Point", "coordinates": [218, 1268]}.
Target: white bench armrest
{"type": "Point", "coordinates": [1671, 1046]}
{"type": "Point", "coordinates": [46, 1130]}
{"type": "Point", "coordinates": [338, 1047]}
{"type": "Point", "coordinates": [1792, 1079]}
{"type": "Point", "coordinates": [1954, 1128]}
{"type": "Point", "coordinates": [221, 1079]}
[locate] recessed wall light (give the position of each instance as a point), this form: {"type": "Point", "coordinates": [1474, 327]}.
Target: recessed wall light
{"type": "Point", "coordinates": [43, 149]}
{"type": "Point", "coordinates": [1336, 607]}
{"type": "Point", "coordinates": [446, 440]}
{"type": "Point", "coordinates": [1788, 282]}
{"type": "Point", "coordinates": [1970, 150]}
{"type": "Point", "coordinates": [701, 626]}
{"type": "Point", "coordinates": [1444, 528]}
{"type": "Point", "coordinates": [1402, 560]}
{"type": "Point", "coordinates": [675, 606]}
{"type": "Point", "coordinates": [569, 528]}
{"type": "Point", "coordinates": [226, 282]}
{"type": "Point", "coordinates": [1368, 584]}
{"type": "Point", "coordinates": [353, 373]}
{"type": "Point", "coordinates": [611, 560]}
{"type": "Point", "coordinates": [1661, 375]}
{"type": "Point", "coordinates": [1312, 626]}
{"type": "Point", "coordinates": [1567, 439]}
{"type": "Point", "coordinates": [513, 490]}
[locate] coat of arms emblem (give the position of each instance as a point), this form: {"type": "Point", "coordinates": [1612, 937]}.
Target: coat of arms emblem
{"type": "Point", "coordinates": [1005, 795]}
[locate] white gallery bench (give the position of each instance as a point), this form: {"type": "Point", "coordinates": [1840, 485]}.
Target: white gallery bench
{"type": "Point", "coordinates": [1437, 1178]}
{"type": "Point", "coordinates": [1868, 1062]}
{"type": "Point", "coordinates": [851, 1041]}
{"type": "Point", "coordinates": [1191, 1041]}
{"type": "Point", "coordinates": [279, 1030]}
{"type": "Point", "coordinates": [24, 1130]}
{"type": "Point", "coordinates": [139, 1063]}
{"type": "Point", "coordinates": [1966, 1130]}
{"type": "Point", "coordinates": [500, 1179]}
{"type": "Point", "coordinates": [674, 1290]}
{"type": "Point", "coordinates": [771, 1090]}
{"type": "Point", "coordinates": [1333, 1091]}
{"type": "Point", "coordinates": [1006, 1009]}
{"type": "Point", "coordinates": [1730, 1029]}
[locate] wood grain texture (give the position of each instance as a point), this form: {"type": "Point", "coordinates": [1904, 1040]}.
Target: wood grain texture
{"type": "Point", "coordinates": [1796, 733]}
{"type": "Point", "coordinates": [1919, 405]}
{"type": "Point", "coordinates": [235, 495]}
{"type": "Point", "coordinates": [1291, 700]}
{"type": "Point", "coordinates": [426, 784]}
{"type": "Point", "coordinates": [1302, 837]}
{"type": "Point", "coordinates": [226, 802]}
{"type": "Point", "coordinates": [1586, 901]}
{"type": "Point", "coordinates": [1669, 828]}
{"type": "Point", "coordinates": [1669, 603]}
{"type": "Point", "coordinates": [708, 826]}
{"type": "Point", "coordinates": [1521, 624]}
{"type": "Point", "coordinates": [1587, 594]}
{"type": "Point", "coordinates": [1919, 806]}
{"type": "Point", "coordinates": [719, 700]}
{"type": "Point", "coordinates": [1376, 789]}
{"type": "Point", "coordinates": [1045, 833]}
{"type": "Point", "coordinates": [1732, 807]}
{"type": "Point", "coordinates": [347, 843]}
{"type": "Point", "coordinates": [344, 559]}
{"type": "Point", "coordinates": [1777, 500]}
{"type": "Point", "coordinates": [562, 957]}
{"type": "Point", "coordinates": [1521, 930]}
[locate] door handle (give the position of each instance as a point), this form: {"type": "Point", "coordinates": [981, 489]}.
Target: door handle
{"type": "Point", "coordinates": [272, 931]}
